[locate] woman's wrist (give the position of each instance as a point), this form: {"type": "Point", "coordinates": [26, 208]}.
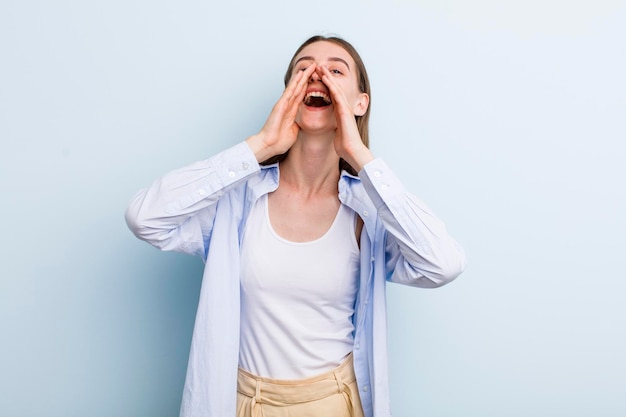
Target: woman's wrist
{"type": "Point", "coordinates": [358, 159]}
{"type": "Point", "coordinates": [261, 151]}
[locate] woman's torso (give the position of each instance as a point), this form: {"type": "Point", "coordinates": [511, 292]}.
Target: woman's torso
{"type": "Point", "coordinates": [297, 298]}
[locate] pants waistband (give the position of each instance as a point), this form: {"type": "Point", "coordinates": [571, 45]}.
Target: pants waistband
{"type": "Point", "coordinates": [283, 392]}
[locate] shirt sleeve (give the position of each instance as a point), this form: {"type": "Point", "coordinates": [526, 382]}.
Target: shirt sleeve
{"type": "Point", "coordinates": [419, 250]}
{"type": "Point", "coordinates": [176, 212]}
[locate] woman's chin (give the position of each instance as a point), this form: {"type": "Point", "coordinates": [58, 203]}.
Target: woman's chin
{"type": "Point", "coordinates": [316, 121]}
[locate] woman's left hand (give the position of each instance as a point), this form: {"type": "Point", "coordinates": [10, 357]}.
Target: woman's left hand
{"type": "Point", "coordinates": [348, 143]}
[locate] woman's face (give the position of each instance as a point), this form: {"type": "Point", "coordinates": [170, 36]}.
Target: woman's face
{"type": "Point", "coordinates": [316, 113]}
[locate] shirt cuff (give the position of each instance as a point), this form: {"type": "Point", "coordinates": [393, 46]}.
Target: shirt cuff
{"type": "Point", "coordinates": [380, 182]}
{"type": "Point", "coordinates": [234, 164]}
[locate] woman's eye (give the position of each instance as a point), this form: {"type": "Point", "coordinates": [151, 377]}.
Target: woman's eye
{"type": "Point", "coordinates": [336, 71]}
{"type": "Point", "coordinates": [302, 69]}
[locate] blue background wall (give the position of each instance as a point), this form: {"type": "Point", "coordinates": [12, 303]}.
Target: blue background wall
{"type": "Point", "coordinates": [508, 119]}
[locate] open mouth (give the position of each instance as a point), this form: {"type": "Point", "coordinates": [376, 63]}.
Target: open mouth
{"type": "Point", "coordinates": [317, 99]}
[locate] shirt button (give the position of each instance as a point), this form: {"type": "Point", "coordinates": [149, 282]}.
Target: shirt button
{"type": "Point", "coordinates": [366, 213]}
{"type": "Point", "coordinates": [365, 388]}
{"type": "Point", "coordinates": [201, 192]}
{"type": "Point", "coordinates": [231, 174]}
{"type": "Point", "coordinates": [377, 173]}
{"type": "Point", "coordinates": [357, 346]}
{"type": "Point", "coordinates": [245, 166]}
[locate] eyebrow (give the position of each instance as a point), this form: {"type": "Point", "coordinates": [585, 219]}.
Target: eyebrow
{"type": "Point", "coordinates": [332, 58]}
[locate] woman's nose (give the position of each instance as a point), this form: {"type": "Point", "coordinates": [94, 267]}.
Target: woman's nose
{"type": "Point", "coordinates": [314, 77]}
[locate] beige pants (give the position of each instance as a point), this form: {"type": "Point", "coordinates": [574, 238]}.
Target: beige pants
{"type": "Point", "coordinates": [332, 394]}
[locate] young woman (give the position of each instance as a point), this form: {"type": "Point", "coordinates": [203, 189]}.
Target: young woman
{"type": "Point", "coordinates": [300, 228]}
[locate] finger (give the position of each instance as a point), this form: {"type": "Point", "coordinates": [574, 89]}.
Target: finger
{"type": "Point", "coordinates": [293, 93]}
{"type": "Point", "coordinates": [328, 79]}
{"type": "Point", "coordinates": [335, 91]}
{"type": "Point", "coordinates": [300, 87]}
{"type": "Point", "coordinates": [291, 86]}
{"type": "Point", "coordinates": [299, 90]}
{"type": "Point", "coordinates": [298, 81]}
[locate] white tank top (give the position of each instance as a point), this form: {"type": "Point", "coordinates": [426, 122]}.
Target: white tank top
{"type": "Point", "coordinates": [297, 298]}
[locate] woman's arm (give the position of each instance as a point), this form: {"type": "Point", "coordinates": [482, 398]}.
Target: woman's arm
{"type": "Point", "coordinates": [419, 250]}
{"type": "Point", "coordinates": [176, 212]}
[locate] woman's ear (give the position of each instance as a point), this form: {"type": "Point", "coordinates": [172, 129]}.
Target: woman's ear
{"type": "Point", "coordinates": [362, 104]}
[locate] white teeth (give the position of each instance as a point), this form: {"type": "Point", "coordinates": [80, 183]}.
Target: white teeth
{"type": "Point", "coordinates": [318, 94]}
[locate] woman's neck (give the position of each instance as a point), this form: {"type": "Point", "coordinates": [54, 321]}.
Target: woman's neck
{"type": "Point", "coordinates": [312, 166]}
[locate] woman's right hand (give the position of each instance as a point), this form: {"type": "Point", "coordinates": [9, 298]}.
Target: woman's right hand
{"type": "Point", "coordinates": [281, 130]}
